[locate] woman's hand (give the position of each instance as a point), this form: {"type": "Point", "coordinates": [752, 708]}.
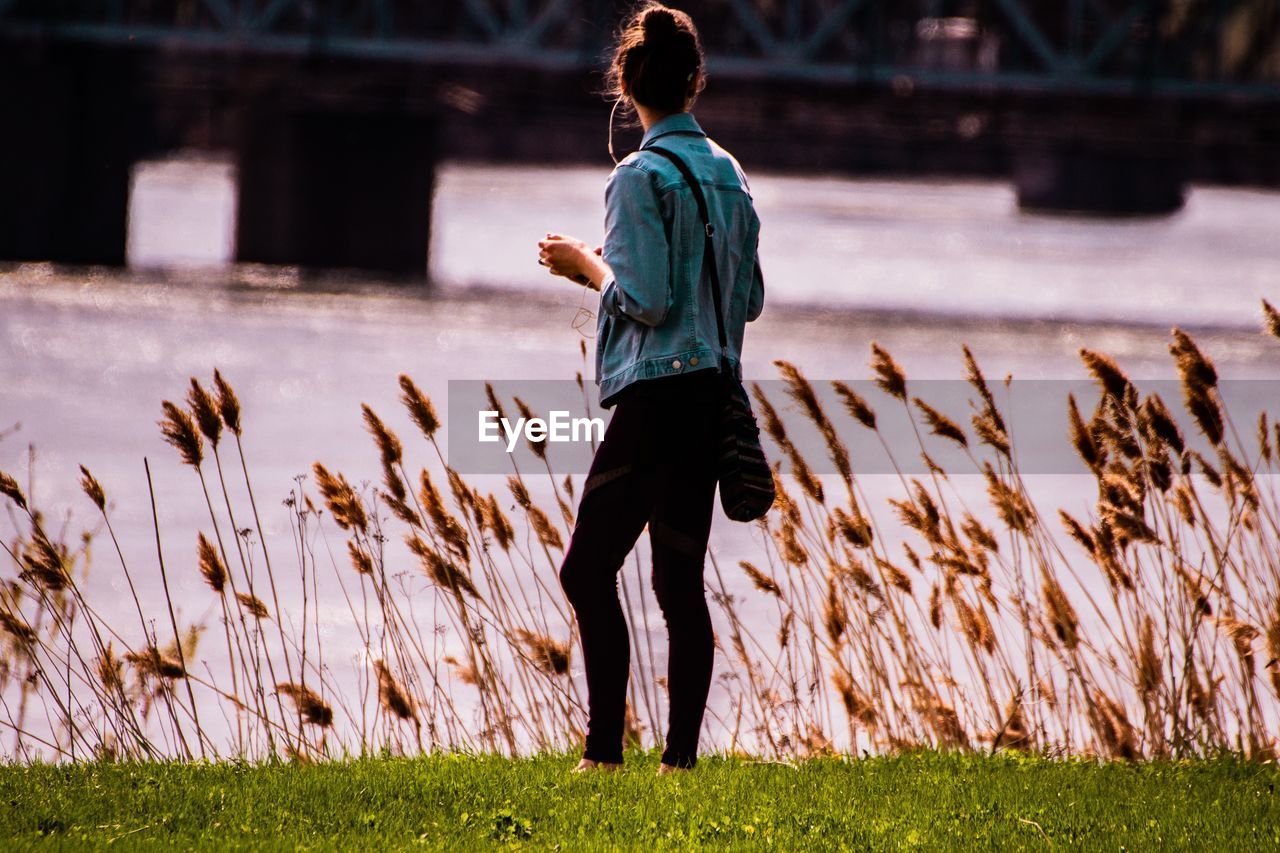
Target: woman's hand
{"type": "Point", "coordinates": [570, 257]}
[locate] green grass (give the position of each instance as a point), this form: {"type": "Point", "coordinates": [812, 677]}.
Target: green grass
{"type": "Point", "coordinates": [929, 799]}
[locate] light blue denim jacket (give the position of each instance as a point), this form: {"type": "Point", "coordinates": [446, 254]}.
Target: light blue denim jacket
{"type": "Point", "coordinates": [656, 309]}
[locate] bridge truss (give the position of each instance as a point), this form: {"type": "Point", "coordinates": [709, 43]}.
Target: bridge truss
{"type": "Point", "coordinates": [1190, 48]}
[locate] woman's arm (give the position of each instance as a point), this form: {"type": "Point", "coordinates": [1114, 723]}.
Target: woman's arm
{"type": "Point", "coordinates": [636, 250]}
{"type": "Point", "coordinates": [632, 270]}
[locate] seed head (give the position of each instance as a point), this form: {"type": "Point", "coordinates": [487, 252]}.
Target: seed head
{"type": "Point", "coordinates": [889, 375]}
{"type": "Point", "coordinates": [180, 432]}
{"type": "Point", "coordinates": [549, 655]}
{"type": "Point", "coordinates": [1195, 366]}
{"type": "Point", "coordinates": [940, 424]}
{"type": "Point", "coordinates": [9, 488]}
{"type": "Point", "coordinates": [762, 582]}
{"type": "Point", "coordinates": [1273, 318]}
{"type": "Point", "coordinates": [205, 410]}
{"type": "Point", "coordinates": [391, 694]}
{"type": "Point", "coordinates": [1109, 375]}
{"type": "Point", "coordinates": [441, 570]}
{"type": "Point", "coordinates": [256, 607]}
{"type": "Point", "coordinates": [855, 405]}
{"type": "Point", "coordinates": [313, 709]}
{"type": "Point", "coordinates": [359, 559]}
{"type": "Point", "coordinates": [341, 499]}
{"type": "Point", "coordinates": [211, 566]}
{"type": "Point", "coordinates": [92, 488]}
{"type": "Point", "coordinates": [419, 406]}
{"type": "Point", "coordinates": [228, 404]}
{"type": "Point", "coordinates": [388, 444]}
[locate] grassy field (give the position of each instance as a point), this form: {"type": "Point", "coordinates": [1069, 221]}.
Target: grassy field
{"type": "Point", "coordinates": [928, 799]}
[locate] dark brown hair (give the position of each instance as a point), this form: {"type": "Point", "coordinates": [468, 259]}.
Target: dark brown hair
{"type": "Point", "coordinates": [658, 59]}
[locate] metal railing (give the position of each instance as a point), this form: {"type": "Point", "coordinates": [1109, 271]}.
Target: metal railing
{"type": "Point", "coordinates": [1210, 48]}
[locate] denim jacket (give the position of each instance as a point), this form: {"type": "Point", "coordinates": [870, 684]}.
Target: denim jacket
{"type": "Point", "coordinates": [657, 315]}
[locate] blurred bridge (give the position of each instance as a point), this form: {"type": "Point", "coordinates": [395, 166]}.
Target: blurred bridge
{"type": "Point", "coordinates": [338, 109]}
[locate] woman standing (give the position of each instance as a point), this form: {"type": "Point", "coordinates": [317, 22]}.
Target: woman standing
{"type": "Point", "coordinates": [658, 348]}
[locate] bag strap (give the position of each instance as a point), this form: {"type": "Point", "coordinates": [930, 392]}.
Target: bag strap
{"type": "Point", "coordinates": [709, 249]}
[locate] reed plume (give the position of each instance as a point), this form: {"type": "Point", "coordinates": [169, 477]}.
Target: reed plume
{"type": "Point", "coordinates": [1108, 374]}
{"type": "Point", "coordinates": [549, 655]}
{"type": "Point", "coordinates": [151, 662]}
{"type": "Point", "coordinates": [1272, 317]}
{"type": "Point", "coordinates": [856, 704]}
{"type": "Point", "coordinates": [253, 605]}
{"type": "Point", "coordinates": [1194, 365]}
{"type": "Point", "coordinates": [19, 632]}
{"type": "Point", "coordinates": [464, 672]}
{"type": "Point", "coordinates": [855, 405]}
{"type": "Point", "coordinates": [180, 432]}
{"type": "Point", "coordinates": [760, 580]}
{"type": "Point", "coordinates": [939, 424]}
{"type": "Point", "coordinates": [205, 410]}
{"type": "Point", "coordinates": [442, 571]}
{"type": "Point", "coordinates": [388, 444]}
{"type": "Point", "coordinates": [228, 403]}
{"type": "Point", "coordinates": [313, 709]}
{"type": "Point", "coordinates": [538, 520]}
{"type": "Point", "coordinates": [419, 406]}
{"type": "Point", "coordinates": [496, 522]}
{"type": "Point", "coordinates": [1150, 673]}
{"type": "Point", "coordinates": [889, 375]}
{"type": "Point", "coordinates": [9, 488]}
{"type": "Point", "coordinates": [44, 563]}
{"type": "Point", "coordinates": [800, 390]}
{"type": "Point", "coordinates": [92, 488]}
{"type": "Point", "coordinates": [344, 505]}
{"type": "Point", "coordinates": [360, 561]}
{"type": "Point", "coordinates": [211, 566]}
{"type": "Point", "coordinates": [991, 413]}
{"type": "Point", "coordinates": [539, 448]}
{"type": "Point", "coordinates": [446, 526]}
{"type": "Point", "coordinates": [1062, 616]}
{"type": "Point", "coordinates": [391, 694]}
{"type": "Point", "coordinates": [1082, 437]}
{"type": "Point", "coordinates": [853, 526]}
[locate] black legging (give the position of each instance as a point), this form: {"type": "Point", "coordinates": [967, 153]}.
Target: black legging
{"type": "Point", "coordinates": [655, 466]}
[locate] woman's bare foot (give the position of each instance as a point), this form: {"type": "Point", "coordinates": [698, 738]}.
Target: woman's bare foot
{"type": "Point", "coordinates": [587, 764]}
{"type": "Point", "coordinates": [667, 769]}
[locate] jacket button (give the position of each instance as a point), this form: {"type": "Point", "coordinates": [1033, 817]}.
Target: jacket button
{"type": "Point", "coordinates": [693, 362]}
{"type": "Point", "coordinates": [676, 364]}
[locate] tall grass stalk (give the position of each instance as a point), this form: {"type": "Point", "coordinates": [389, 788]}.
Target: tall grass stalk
{"type": "Point", "coordinates": [1143, 625]}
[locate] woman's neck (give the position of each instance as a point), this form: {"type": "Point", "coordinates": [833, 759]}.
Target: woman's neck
{"type": "Point", "coordinates": [650, 117]}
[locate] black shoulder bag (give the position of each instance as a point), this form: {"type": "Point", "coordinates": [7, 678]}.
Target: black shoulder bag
{"type": "Point", "coordinates": [746, 482]}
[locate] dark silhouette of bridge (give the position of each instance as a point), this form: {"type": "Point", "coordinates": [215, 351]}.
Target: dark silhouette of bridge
{"type": "Point", "coordinates": [339, 110]}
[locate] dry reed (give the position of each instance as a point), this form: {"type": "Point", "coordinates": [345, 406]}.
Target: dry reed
{"type": "Point", "coordinates": [1145, 624]}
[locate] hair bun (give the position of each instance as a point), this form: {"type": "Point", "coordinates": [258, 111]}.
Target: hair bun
{"type": "Point", "coordinates": [657, 59]}
{"type": "Point", "coordinates": [660, 26]}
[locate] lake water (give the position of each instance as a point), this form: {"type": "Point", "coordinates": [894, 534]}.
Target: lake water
{"type": "Point", "coordinates": [86, 356]}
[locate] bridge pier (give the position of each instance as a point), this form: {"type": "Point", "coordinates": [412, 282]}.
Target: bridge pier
{"type": "Point", "coordinates": [1102, 164]}
{"type": "Point", "coordinates": [324, 188]}
{"type": "Point", "coordinates": [71, 137]}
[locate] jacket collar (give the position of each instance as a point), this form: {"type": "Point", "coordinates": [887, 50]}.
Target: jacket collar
{"type": "Point", "coordinates": [674, 123]}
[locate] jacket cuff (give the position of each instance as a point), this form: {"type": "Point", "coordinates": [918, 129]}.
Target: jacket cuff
{"type": "Point", "coordinates": [609, 296]}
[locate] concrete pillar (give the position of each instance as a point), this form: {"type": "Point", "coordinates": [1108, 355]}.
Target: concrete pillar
{"type": "Point", "coordinates": [1106, 164]}
{"type": "Point", "coordinates": [325, 189]}
{"type": "Point", "coordinates": [71, 128]}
